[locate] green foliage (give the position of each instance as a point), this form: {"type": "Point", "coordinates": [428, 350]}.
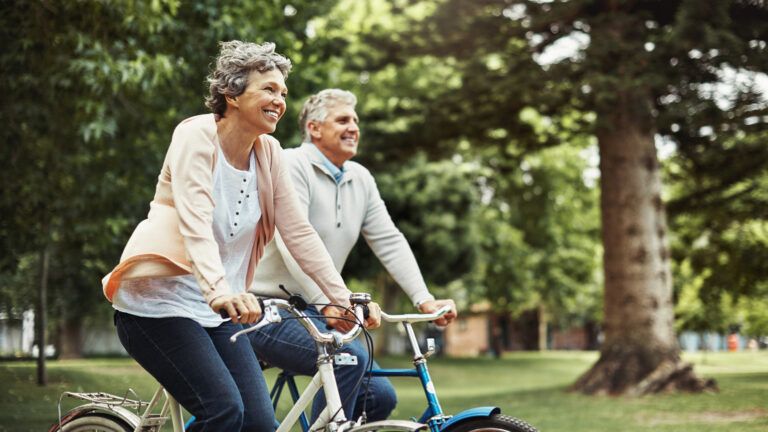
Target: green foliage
{"type": "Point", "coordinates": [75, 74]}
{"type": "Point", "coordinates": [550, 240]}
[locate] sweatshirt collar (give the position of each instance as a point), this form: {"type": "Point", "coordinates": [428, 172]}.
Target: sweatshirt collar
{"type": "Point", "coordinates": [318, 158]}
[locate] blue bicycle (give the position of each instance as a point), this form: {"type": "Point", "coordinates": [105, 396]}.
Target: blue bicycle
{"type": "Point", "coordinates": [488, 418]}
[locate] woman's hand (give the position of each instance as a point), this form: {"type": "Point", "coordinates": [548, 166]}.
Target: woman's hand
{"type": "Point", "coordinates": [432, 306]}
{"type": "Point", "coordinates": [242, 308]}
{"type": "Point", "coordinates": [339, 318]}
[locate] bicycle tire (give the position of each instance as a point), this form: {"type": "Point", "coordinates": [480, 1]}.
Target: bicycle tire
{"type": "Point", "coordinates": [93, 423]}
{"type": "Point", "coordinates": [494, 423]}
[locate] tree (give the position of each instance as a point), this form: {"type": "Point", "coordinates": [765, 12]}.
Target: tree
{"type": "Point", "coordinates": [417, 105]}
{"type": "Point", "coordinates": [96, 89]}
{"type": "Point", "coordinates": [66, 80]}
{"type": "Point", "coordinates": [639, 64]}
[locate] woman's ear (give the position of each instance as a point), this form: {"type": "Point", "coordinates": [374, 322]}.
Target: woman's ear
{"type": "Point", "coordinates": [231, 100]}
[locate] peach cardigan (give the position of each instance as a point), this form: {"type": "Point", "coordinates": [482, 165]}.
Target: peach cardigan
{"type": "Point", "coordinates": [177, 236]}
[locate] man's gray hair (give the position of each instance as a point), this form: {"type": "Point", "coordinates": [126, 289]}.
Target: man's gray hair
{"type": "Point", "coordinates": [317, 106]}
{"type": "Point", "coordinates": [235, 62]}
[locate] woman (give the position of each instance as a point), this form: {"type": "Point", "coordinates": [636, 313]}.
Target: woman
{"type": "Point", "coordinates": [220, 194]}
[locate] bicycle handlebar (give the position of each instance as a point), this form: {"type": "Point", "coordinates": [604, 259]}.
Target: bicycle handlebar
{"type": "Point", "coordinates": [271, 315]}
{"type": "Point", "coordinates": [414, 318]}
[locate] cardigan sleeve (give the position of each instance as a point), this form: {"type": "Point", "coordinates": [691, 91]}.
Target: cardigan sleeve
{"type": "Point", "coordinates": [190, 162]}
{"type": "Point", "coordinates": [292, 162]}
{"type": "Point", "coordinates": [309, 289]}
{"type": "Point", "coordinates": [390, 246]}
{"type": "Point", "coordinates": [301, 239]}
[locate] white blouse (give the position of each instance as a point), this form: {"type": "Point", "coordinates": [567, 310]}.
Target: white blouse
{"type": "Point", "coordinates": [236, 212]}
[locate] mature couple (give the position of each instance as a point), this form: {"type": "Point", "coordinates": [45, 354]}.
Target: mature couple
{"type": "Point", "coordinates": [232, 213]}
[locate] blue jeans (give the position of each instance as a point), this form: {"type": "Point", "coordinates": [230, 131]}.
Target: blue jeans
{"type": "Point", "coordinates": [289, 346]}
{"type": "Point", "coordinates": [218, 382]}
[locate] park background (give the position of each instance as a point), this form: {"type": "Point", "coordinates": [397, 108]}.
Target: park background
{"type": "Point", "coordinates": [588, 166]}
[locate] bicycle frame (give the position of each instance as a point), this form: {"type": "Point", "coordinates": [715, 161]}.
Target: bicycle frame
{"type": "Point", "coordinates": [325, 379]}
{"type": "Point", "coordinates": [433, 414]}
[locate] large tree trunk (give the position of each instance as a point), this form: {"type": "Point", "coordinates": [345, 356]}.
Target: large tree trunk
{"type": "Point", "coordinates": [640, 353]}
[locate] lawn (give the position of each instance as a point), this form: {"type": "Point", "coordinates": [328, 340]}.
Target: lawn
{"type": "Point", "coordinates": [526, 385]}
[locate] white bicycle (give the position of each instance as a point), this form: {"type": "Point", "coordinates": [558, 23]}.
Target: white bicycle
{"type": "Point", "coordinates": [104, 412]}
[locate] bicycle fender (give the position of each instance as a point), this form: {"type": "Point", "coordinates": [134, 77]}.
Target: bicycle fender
{"type": "Point", "coordinates": [118, 412]}
{"type": "Point", "coordinates": [477, 412]}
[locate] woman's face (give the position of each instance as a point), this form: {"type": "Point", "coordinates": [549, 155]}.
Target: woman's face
{"type": "Point", "coordinates": [262, 104]}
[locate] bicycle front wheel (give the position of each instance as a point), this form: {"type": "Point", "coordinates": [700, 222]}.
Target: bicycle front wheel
{"type": "Point", "coordinates": [93, 423]}
{"type": "Point", "coordinates": [494, 423]}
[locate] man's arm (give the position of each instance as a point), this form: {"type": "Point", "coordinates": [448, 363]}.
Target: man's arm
{"type": "Point", "coordinates": [394, 252]}
{"type": "Point", "coordinates": [390, 246]}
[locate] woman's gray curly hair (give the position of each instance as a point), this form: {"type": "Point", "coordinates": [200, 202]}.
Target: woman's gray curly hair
{"type": "Point", "coordinates": [235, 62]}
{"type": "Point", "coordinates": [317, 106]}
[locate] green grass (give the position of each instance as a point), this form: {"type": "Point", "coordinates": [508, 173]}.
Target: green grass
{"type": "Point", "coordinates": [530, 386]}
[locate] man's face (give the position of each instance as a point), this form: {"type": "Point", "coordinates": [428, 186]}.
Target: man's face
{"type": "Point", "coordinates": [337, 136]}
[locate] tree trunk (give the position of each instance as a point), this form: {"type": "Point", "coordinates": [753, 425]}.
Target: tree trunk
{"type": "Point", "coordinates": [640, 353]}
{"type": "Point", "coordinates": [71, 338]}
{"type": "Point", "coordinates": [41, 315]}
{"type": "Point", "coordinates": [389, 303]}
{"type": "Point", "coordinates": [543, 323]}
{"type": "Point", "coordinates": [497, 335]}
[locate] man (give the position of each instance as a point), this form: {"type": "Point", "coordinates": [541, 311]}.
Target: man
{"type": "Point", "coordinates": [342, 202]}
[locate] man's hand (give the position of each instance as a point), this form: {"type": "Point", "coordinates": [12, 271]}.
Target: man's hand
{"type": "Point", "coordinates": [374, 316]}
{"type": "Point", "coordinates": [432, 306]}
{"type": "Point", "coordinates": [242, 308]}
{"type": "Point", "coordinates": [333, 314]}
